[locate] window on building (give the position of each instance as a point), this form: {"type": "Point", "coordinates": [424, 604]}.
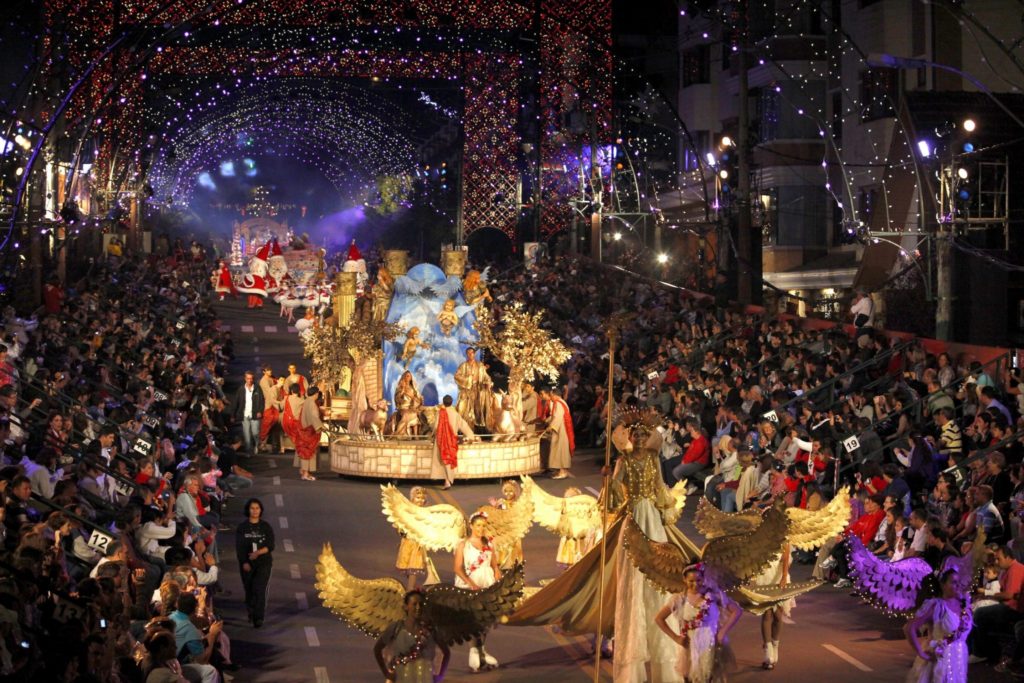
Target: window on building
{"type": "Point", "coordinates": [693, 156]}
{"type": "Point", "coordinates": [878, 91]}
{"type": "Point", "coordinates": [696, 66]}
{"type": "Point", "coordinates": [768, 114]}
{"type": "Point", "coordinates": [867, 201]}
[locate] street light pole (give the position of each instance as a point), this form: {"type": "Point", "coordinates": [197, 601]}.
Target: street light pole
{"type": "Point", "coordinates": [944, 233]}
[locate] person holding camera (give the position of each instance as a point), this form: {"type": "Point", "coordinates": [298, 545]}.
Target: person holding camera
{"type": "Point", "coordinates": [193, 646]}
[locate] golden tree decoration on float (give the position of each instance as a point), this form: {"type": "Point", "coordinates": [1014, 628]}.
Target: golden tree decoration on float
{"type": "Point", "coordinates": [335, 349]}
{"type": "Point", "coordinates": [522, 344]}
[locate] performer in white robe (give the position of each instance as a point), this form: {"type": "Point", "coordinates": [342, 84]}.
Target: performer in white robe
{"type": "Point", "coordinates": [563, 441]}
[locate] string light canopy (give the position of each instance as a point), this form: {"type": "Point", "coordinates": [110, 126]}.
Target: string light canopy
{"type": "Point", "coordinates": [350, 135]}
{"type": "Point", "coordinates": [470, 42]}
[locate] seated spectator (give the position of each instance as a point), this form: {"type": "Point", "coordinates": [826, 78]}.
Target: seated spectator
{"type": "Point", "coordinates": [993, 623]}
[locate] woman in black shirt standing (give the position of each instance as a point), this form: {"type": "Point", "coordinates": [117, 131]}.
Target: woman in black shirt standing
{"type": "Point", "coordinates": [254, 543]}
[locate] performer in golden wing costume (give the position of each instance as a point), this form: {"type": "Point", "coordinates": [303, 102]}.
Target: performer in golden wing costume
{"type": "Point", "coordinates": [630, 603]}
{"type": "Point", "coordinates": [643, 540]}
{"type": "Point", "coordinates": [373, 606]}
{"type": "Point", "coordinates": [445, 527]}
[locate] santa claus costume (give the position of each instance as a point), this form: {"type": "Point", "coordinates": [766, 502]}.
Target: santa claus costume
{"type": "Point", "coordinates": [255, 282]}
{"type": "Point", "coordinates": [225, 285]}
{"type": "Point", "coordinates": [354, 263]}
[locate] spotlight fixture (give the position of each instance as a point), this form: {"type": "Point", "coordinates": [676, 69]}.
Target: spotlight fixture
{"type": "Point", "coordinates": [969, 125]}
{"type": "Point", "coordinates": [662, 258]}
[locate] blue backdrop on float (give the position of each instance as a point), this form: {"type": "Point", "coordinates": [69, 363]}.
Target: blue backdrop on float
{"type": "Point", "coordinates": [418, 298]}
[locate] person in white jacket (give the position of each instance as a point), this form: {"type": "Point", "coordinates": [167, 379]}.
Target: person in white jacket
{"type": "Point", "coordinates": [154, 529]}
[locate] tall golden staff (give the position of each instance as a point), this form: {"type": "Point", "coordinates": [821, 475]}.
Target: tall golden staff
{"type": "Point", "coordinates": [612, 328]}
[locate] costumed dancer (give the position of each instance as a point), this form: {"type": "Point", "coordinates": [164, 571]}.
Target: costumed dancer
{"type": "Point", "coordinates": [939, 601]}
{"type": "Point", "coordinates": [295, 378]}
{"type": "Point", "coordinates": [476, 568]}
{"type": "Point", "coordinates": [443, 616]}
{"type": "Point", "coordinates": [225, 285]}
{"type": "Point", "coordinates": [411, 643]}
{"type": "Point", "coordinates": [705, 616]}
{"type": "Point", "coordinates": [510, 493]}
{"type": "Point", "coordinates": [255, 282]}
{"type": "Point", "coordinates": [306, 441]}
{"type": "Point", "coordinates": [412, 558]}
{"type": "Point", "coordinates": [575, 518]}
{"type": "Point", "coordinates": [273, 402]}
{"type": "Point", "coordinates": [938, 633]}
{"type": "Point", "coordinates": [563, 439]}
{"type": "Point", "coordinates": [572, 601]}
{"type": "Point", "coordinates": [777, 574]}
{"type": "Point", "coordinates": [476, 543]}
{"type": "Point", "coordinates": [312, 424]}
{"type": "Point", "coordinates": [445, 457]}
{"type": "Point", "coordinates": [569, 549]}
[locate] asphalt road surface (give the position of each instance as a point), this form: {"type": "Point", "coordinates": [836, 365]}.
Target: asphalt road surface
{"type": "Point", "coordinates": [834, 638]}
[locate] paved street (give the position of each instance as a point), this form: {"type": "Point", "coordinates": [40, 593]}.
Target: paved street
{"type": "Point", "coordinates": [835, 638]}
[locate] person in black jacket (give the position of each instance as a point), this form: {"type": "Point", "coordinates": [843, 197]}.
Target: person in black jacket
{"type": "Point", "coordinates": [247, 410]}
{"type": "Point", "coordinates": [254, 543]}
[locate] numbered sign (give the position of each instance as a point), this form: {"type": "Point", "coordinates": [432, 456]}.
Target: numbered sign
{"type": "Point", "coordinates": [151, 422]}
{"type": "Point", "coordinates": [124, 488]}
{"type": "Point", "coordinates": [143, 447]}
{"type": "Point", "coordinates": [180, 325]}
{"type": "Point", "coordinates": [160, 395]}
{"type": "Point", "coordinates": [771, 416]}
{"type": "Point", "coordinates": [652, 375]}
{"type": "Point", "coordinates": [851, 444]}
{"type": "Point", "coordinates": [65, 611]}
{"type": "Point", "coordinates": [577, 339]}
{"type": "Point", "coordinates": [100, 541]}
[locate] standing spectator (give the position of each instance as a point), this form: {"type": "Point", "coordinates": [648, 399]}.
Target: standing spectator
{"type": "Point", "coordinates": [863, 312]}
{"type": "Point", "coordinates": [247, 409]}
{"type": "Point", "coordinates": [254, 543]}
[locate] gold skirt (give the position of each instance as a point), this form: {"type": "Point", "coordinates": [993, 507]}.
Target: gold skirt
{"type": "Point", "coordinates": [411, 556]}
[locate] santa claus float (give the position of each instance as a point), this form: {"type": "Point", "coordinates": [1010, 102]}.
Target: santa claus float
{"type": "Point", "coordinates": [255, 282]}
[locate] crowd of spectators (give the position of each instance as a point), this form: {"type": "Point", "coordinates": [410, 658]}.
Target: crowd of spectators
{"type": "Point", "coordinates": [119, 455]}
{"type": "Point", "coordinates": [117, 461]}
{"type": "Point", "coordinates": [757, 406]}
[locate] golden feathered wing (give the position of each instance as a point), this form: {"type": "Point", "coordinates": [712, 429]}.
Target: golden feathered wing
{"type": "Point", "coordinates": [507, 526]}
{"type": "Point", "coordinates": [738, 558]}
{"type": "Point", "coordinates": [714, 523]}
{"type": "Point", "coordinates": [810, 529]}
{"type": "Point", "coordinates": [456, 614]}
{"type": "Point", "coordinates": [662, 563]}
{"type": "Point", "coordinates": [435, 527]}
{"type": "Point", "coordinates": [370, 605]}
{"type": "Point", "coordinates": [572, 517]}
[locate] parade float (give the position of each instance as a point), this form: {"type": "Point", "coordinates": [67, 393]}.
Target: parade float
{"type": "Point", "coordinates": [388, 356]}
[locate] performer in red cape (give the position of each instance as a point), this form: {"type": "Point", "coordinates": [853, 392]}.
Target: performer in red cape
{"type": "Point", "coordinates": [225, 285]}
{"type": "Point", "coordinates": [446, 442]}
{"type": "Point", "coordinates": [302, 430]}
{"type": "Point", "coordinates": [563, 440]}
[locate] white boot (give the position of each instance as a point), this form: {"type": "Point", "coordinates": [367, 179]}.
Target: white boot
{"type": "Point", "coordinates": [769, 661]}
{"type": "Point", "coordinates": [775, 651]}
{"type": "Point", "coordinates": [474, 659]}
{"type": "Point", "coordinates": [490, 661]}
